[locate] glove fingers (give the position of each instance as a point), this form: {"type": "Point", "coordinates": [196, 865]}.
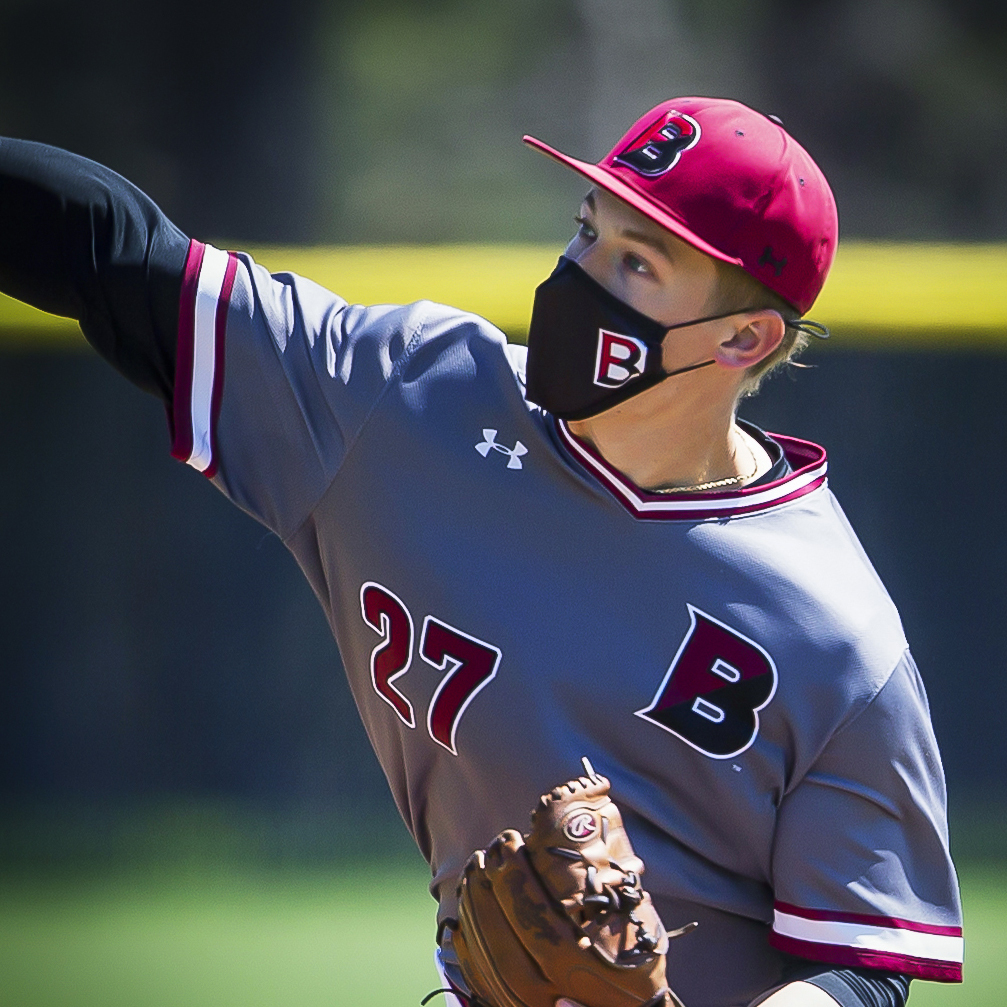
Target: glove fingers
{"type": "Point", "coordinates": [581, 817]}
{"type": "Point", "coordinates": [560, 913]}
{"type": "Point", "coordinates": [491, 955]}
{"type": "Point", "coordinates": [545, 931]}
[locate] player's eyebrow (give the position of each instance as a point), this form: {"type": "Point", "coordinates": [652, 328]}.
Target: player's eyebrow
{"type": "Point", "coordinates": [644, 239]}
{"type": "Point", "coordinates": [651, 242]}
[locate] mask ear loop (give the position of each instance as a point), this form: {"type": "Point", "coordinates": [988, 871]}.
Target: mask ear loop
{"type": "Point", "coordinates": [711, 318]}
{"type": "Point", "coordinates": [805, 325]}
{"type": "Point", "coordinates": [699, 321]}
{"type": "Point", "coordinates": [809, 327]}
{"type": "Point", "coordinates": [691, 367]}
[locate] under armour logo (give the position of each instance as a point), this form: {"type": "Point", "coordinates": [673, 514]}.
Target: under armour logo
{"type": "Point", "coordinates": [488, 443]}
{"type": "Point", "coordinates": [768, 260]}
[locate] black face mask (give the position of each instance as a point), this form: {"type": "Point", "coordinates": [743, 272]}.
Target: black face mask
{"type": "Point", "coordinates": [589, 351]}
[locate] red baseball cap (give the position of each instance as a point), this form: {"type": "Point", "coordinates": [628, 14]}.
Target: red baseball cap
{"type": "Point", "coordinates": [730, 181]}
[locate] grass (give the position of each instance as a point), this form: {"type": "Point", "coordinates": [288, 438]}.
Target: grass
{"type": "Point", "coordinates": [231, 938]}
{"type": "Point", "coordinates": [221, 939]}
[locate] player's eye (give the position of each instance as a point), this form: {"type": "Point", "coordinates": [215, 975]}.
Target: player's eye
{"type": "Point", "coordinates": [635, 264]}
{"type": "Point", "coordinates": [584, 229]}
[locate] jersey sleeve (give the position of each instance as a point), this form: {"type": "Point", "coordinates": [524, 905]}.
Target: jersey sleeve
{"type": "Point", "coordinates": [862, 873]}
{"type": "Point", "coordinates": [275, 378]}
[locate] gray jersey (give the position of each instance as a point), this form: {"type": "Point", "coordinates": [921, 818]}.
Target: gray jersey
{"type": "Point", "coordinates": [505, 603]}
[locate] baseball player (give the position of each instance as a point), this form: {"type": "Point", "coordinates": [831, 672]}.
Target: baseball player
{"type": "Point", "coordinates": [581, 553]}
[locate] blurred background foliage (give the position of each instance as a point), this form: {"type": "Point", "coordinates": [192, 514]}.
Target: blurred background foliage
{"type": "Point", "coordinates": [169, 691]}
{"type": "Point", "coordinates": [390, 121]}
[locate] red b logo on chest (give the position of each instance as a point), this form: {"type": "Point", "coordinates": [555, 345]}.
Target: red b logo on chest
{"type": "Point", "coordinates": [714, 689]}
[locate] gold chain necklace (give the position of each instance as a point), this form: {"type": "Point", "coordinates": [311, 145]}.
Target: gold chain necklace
{"type": "Point", "coordinates": [716, 483]}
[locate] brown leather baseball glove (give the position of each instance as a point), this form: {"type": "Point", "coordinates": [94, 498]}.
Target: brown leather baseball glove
{"type": "Point", "coordinates": [560, 912]}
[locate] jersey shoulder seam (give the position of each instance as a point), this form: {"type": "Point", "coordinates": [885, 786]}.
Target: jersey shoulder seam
{"type": "Point", "coordinates": [877, 692]}
{"type": "Point", "coordinates": [829, 738]}
{"type": "Point", "coordinates": [396, 368]}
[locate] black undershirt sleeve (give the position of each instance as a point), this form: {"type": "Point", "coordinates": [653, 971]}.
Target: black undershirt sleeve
{"type": "Point", "coordinates": [857, 987]}
{"type": "Point", "coordinates": [78, 240]}
{"type": "Point", "coordinates": [853, 986]}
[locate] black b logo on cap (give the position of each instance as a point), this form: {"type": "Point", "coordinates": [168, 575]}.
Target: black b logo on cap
{"type": "Point", "coordinates": [658, 148]}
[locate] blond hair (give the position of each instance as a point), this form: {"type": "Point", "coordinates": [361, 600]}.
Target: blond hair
{"type": "Point", "coordinates": [739, 290]}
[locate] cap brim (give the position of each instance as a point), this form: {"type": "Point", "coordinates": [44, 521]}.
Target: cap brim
{"type": "Point", "coordinates": [605, 179]}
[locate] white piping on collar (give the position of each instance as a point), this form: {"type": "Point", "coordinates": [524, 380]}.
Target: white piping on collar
{"type": "Point", "coordinates": [809, 474]}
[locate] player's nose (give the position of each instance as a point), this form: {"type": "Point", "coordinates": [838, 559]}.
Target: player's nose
{"type": "Point", "coordinates": [595, 259]}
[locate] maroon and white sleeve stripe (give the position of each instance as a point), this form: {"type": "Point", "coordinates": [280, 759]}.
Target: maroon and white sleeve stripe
{"type": "Point", "coordinates": [923, 950]}
{"type": "Point", "coordinates": [199, 369]}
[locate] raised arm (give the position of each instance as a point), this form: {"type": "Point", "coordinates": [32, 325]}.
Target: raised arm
{"type": "Point", "coordinates": [78, 240]}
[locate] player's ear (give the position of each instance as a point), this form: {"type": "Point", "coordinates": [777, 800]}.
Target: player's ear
{"type": "Point", "coordinates": [755, 335]}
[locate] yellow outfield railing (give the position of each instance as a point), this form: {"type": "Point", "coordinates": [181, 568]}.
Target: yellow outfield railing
{"type": "Point", "coordinates": [878, 295]}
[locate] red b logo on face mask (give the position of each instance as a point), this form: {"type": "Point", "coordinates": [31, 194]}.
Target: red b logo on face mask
{"type": "Point", "coordinates": [619, 359]}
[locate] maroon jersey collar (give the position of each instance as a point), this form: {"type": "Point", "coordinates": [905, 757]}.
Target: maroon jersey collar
{"type": "Point", "coordinates": [807, 460]}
